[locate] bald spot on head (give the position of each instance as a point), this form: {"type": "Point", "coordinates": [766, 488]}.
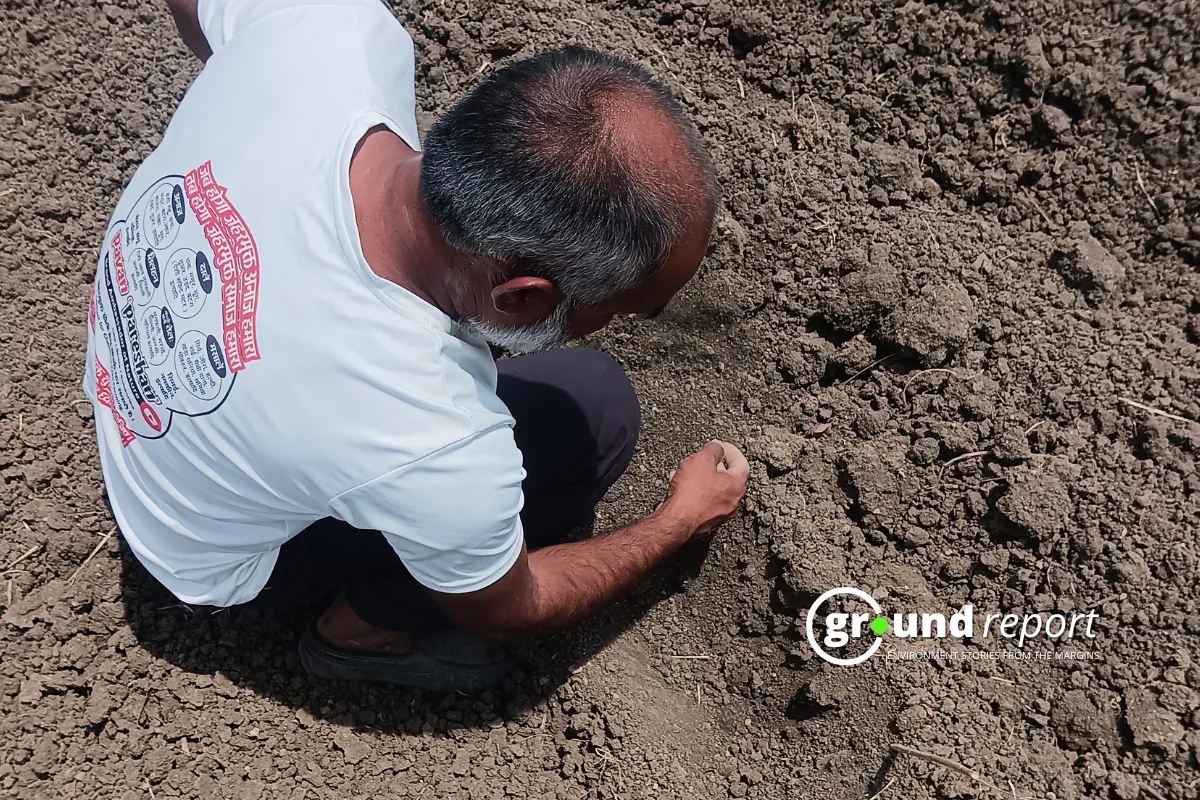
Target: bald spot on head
{"type": "Point", "coordinates": [623, 132]}
{"type": "Point", "coordinates": [656, 152]}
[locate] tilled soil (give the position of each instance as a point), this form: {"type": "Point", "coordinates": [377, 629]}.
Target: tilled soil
{"type": "Point", "coordinates": [955, 279]}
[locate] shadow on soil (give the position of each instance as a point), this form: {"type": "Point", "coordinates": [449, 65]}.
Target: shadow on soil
{"type": "Point", "coordinates": [257, 651]}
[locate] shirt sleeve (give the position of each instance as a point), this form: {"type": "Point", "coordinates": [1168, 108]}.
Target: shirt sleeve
{"type": "Point", "coordinates": [222, 20]}
{"type": "Point", "coordinates": [453, 516]}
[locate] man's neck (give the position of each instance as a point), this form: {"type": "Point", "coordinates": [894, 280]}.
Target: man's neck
{"type": "Point", "coordinates": [400, 241]}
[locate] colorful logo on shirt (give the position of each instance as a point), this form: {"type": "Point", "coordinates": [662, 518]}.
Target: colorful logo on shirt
{"type": "Point", "coordinates": [174, 307]}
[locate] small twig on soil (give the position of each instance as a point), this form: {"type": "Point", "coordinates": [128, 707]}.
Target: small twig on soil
{"type": "Point", "coordinates": [7, 192]}
{"type": "Point", "coordinates": [929, 210]}
{"type": "Point", "coordinates": [1152, 410]}
{"type": "Point", "coordinates": [1034, 426]}
{"type": "Point", "coordinates": [948, 763]}
{"type": "Point", "coordinates": [961, 484]}
{"type": "Point", "coordinates": [691, 658]}
{"type": "Point", "coordinates": [92, 554]}
{"type": "Point", "coordinates": [881, 791]}
{"type": "Point", "coordinates": [1037, 207]}
{"type": "Point", "coordinates": [1111, 597]}
{"type": "Point", "coordinates": [932, 238]}
{"type": "Point", "coordinates": [184, 606]}
{"type": "Point", "coordinates": [1142, 185]}
{"type": "Point", "coordinates": [24, 556]}
{"type": "Point", "coordinates": [870, 367]}
{"type": "Point", "coordinates": [913, 379]}
{"type": "Point", "coordinates": [220, 763]}
{"type": "Point", "coordinates": [999, 140]}
{"type": "Point", "coordinates": [816, 115]}
{"type": "Point", "coordinates": [963, 457]}
{"type": "Point", "coordinates": [666, 63]}
{"type": "Point", "coordinates": [1004, 680]}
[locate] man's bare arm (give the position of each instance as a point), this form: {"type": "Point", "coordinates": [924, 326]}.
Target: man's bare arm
{"type": "Point", "coordinates": [187, 19]}
{"type": "Point", "coordinates": [553, 588]}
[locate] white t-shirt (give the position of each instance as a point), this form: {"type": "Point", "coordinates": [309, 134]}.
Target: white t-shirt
{"type": "Point", "coordinates": [249, 372]}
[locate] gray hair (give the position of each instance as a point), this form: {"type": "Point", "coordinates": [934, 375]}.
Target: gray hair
{"type": "Point", "coordinates": [525, 171]}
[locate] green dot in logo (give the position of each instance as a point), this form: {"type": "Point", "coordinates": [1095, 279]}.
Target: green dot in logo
{"type": "Point", "coordinates": [879, 625]}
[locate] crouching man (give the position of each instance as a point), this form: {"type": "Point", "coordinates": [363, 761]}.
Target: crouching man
{"type": "Point", "coordinates": [289, 339]}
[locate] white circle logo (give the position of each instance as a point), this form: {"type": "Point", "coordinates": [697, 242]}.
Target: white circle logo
{"type": "Point", "coordinates": [812, 613]}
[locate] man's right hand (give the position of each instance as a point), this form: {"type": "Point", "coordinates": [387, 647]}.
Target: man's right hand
{"type": "Point", "coordinates": [557, 586]}
{"type": "Point", "coordinates": [708, 487]}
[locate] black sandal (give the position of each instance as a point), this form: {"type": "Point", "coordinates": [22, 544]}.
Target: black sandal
{"type": "Point", "coordinates": [443, 662]}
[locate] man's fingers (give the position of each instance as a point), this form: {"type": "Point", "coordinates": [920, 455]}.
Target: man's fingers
{"type": "Point", "coordinates": [726, 457]}
{"type": "Point", "coordinates": [735, 462]}
{"type": "Point", "coordinates": [714, 450]}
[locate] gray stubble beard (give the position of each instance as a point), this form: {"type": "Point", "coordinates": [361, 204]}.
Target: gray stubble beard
{"type": "Point", "coordinates": [545, 334]}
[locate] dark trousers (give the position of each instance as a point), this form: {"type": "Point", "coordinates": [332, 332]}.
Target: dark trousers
{"type": "Point", "coordinates": [577, 422]}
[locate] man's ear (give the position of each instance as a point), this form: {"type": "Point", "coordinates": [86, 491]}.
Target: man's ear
{"type": "Point", "coordinates": [524, 300]}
